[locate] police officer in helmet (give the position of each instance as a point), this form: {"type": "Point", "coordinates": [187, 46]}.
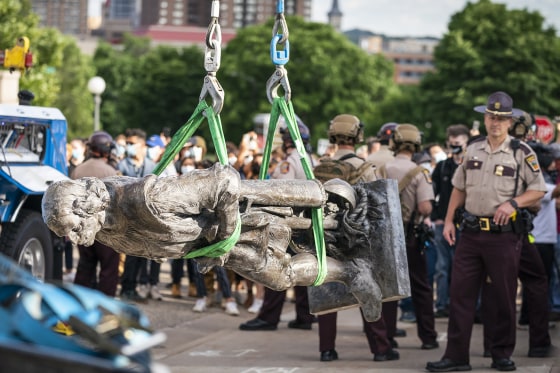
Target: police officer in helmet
{"type": "Point", "coordinates": [346, 131]}
{"type": "Point", "coordinates": [384, 154]}
{"type": "Point", "coordinates": [271, 310]}
{"type": "Point", "coordinates": [416, 195]}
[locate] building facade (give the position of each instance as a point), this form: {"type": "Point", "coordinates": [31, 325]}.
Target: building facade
{"type": "Point", "coordinates": [68, 16]}
{"type": "Point", "coordinates": [412, 57]}
{"type": "Point", "coordinates": [171, 16]}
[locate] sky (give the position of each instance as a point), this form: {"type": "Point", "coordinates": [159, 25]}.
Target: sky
{"type": "Point", "coordinates": [423, 18]}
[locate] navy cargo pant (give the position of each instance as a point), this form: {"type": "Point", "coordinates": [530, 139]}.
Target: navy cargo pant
{"type": "Point", "coordinates": [494, 259]}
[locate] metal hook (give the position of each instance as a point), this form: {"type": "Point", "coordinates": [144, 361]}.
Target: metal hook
{"type": "Point", "coordinates": [278, 78]}
{"type": "Point", "coordinates": [211, 87]}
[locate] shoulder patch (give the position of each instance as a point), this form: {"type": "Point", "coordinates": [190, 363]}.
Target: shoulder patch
{"type": "Point", "coordinates": [525, 148]}
{"type": "Point", "coordinates": [532, 162]}
{"type": "Point", "coordinates": [427, 175]}
{"type": "Point", "coordinates": [284, 167]}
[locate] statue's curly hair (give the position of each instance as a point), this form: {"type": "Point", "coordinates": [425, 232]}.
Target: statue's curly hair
{"type": "Point", "coordinates": [355, 227]}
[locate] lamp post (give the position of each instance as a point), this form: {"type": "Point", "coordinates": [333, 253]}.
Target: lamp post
{"type": "Point", "coordinates": [96, 86]}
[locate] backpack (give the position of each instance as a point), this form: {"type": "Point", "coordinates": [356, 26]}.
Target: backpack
{"type": "Point", "coordinates": [337, 168]}
{"type": "Point", "coordinates": [405, 181]}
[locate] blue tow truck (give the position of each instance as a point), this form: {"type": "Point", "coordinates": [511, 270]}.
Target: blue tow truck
{"type": "Point", "coordinates": [32, 156]}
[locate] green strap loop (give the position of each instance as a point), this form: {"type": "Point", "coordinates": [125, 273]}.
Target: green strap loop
{"type": "Point", "coordinates": [219, 248]}
{"type": "Point", "coordinates": [180, 138]}
{"type": "Point", "coordinates": [177, 142]}
{"type": "Point", "coordinates": [279, 106]}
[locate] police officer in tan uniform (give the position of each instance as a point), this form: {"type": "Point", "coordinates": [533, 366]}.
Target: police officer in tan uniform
{"type": "Point", "coordinates": [269, 314]}
{"type": "Point", "coordinates": [416, 194]}
{"type": "Point", "coordinates": [384, 154]}
{"type": "Point", "coordinates": [498, 177]}
{"type": "Point", "coordinates": [346, 131]}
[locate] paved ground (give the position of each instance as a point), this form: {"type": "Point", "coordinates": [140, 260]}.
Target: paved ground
{"type": "Point", "coordinates": [212, 342]}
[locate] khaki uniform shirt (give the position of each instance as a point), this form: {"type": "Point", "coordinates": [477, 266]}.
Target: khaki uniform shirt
{"type": "Point", "coordinates": [356, 162]}
{"type": "Point", "coordinates": [488, 178]}
{"type": "Point", "coordinates": [382, 156]}
{"type": "Point", "coordinates": [418, 190]}
{"type": "Point", "coordinates": [291, 168]}
{"type": "Point", "coordinates": [94, 167]}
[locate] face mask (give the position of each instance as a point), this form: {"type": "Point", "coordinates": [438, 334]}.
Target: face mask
{"type": "Point", "coordinates": [153, 153]}
{"type": "Point", "coordinates": [248, 159]}
{"type": "Point", "coordinates": [232, 160]}
{"type": "Point", "coordinates": [197, 152]}
{"type": "Point", "coordinates": [456, 149]}
{"type": "Point", "coordinates": [186, 169]}
{"type": "Point", "coordinates": [77, 153]}
{"type": "Point", "coordinates": [120, 150]}
{"type": "Point", "coordinates": [188, 154]}
{"type": "Point", "coordinates": [440, 156]}
{"type": "Point", "coordinates": [131, 150]}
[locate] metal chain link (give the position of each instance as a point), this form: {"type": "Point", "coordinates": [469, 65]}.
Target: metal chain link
{"type": "Point", "coordinates": [279, 57]}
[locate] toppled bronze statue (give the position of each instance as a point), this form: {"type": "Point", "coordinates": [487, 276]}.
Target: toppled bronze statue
{"type": "Point", "coordinates": [168, 217]}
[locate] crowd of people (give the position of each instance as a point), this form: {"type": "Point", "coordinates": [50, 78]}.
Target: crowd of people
{"type": "Point", "coordinates": [479, 214]}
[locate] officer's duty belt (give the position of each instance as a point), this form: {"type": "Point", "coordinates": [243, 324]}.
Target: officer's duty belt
{"type": "Point", "coordinates": [486, 224]}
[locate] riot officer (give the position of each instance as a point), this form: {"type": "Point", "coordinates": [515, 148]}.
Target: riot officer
{"type": "Point", "coordinates": [346, 131]}
{"type": "Point", "coordinates": [384, 154]}
{"type": "Point", "coordinates": [269, 314]}
{"type": "Point", "coordinates": [416, 194]}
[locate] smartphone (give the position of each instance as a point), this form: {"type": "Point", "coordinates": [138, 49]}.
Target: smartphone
{"type": "Point", "coordinates": [476, 125]}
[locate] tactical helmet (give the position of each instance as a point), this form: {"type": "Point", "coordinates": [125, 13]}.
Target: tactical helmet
{"type": "Point", "coordinates": [523, 126]}
{"type": "Point", "coordinates": [385, 132]}
{"type": "Point", "coordinates": [406, 134]}
{"type": "Point", "coordinates": [100, 142]}
{"type": "Point", "coordinates": [346, 125]}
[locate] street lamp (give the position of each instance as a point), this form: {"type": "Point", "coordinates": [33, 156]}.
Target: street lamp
{"type": "Point", "coordinates": [96, 86]}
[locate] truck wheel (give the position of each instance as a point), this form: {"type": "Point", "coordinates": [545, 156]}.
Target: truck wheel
{"type": "Point", "coordinates": [28, 242]}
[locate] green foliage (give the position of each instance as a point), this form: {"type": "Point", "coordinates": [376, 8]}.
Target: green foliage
{"type": "Point", "coordinates": [74, 97]}
{"type": "Point", "coordinates": [16, 20]}
{"type": "Point", "coordinates": [328, 74]}
{"type": "Point", "coordinates": [60, 72]}
{"type": "Point", "coordinates": [148, 88]}
{"type": "Point", "coordinates": [490, 48]}
{"type": "Point", "coordinates": [169, 89]}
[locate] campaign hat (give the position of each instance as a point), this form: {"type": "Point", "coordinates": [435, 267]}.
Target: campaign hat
{"type": "Point", "coordinates": [501, 104]}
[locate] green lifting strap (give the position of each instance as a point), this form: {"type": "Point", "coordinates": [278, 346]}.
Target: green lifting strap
{"type": "Point", "coordinates": [279, 106]}
{"type": "Point", "coordinates": [177, 142]}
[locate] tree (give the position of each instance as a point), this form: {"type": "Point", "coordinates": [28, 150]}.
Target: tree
{"type": "Point", "coordinates": [328, 74]}
{"type": "Point", "coordinates": [168, 91]}
{"type": "Point", "coordinates": [119, 68]}
{"type": "Point", "coordinates": [59, 74]}
{"type": "Point", "coordinates": [16, 19]}
{"type": "Point", "coordinates": [489, 48]}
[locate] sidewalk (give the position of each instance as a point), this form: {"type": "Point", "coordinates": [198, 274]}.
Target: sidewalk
{"type": "Point", "coordinates": [212, 342]}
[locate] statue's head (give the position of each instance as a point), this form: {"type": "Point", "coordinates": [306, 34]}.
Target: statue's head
{"type": "Point", "coordinates": [76, 208]}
